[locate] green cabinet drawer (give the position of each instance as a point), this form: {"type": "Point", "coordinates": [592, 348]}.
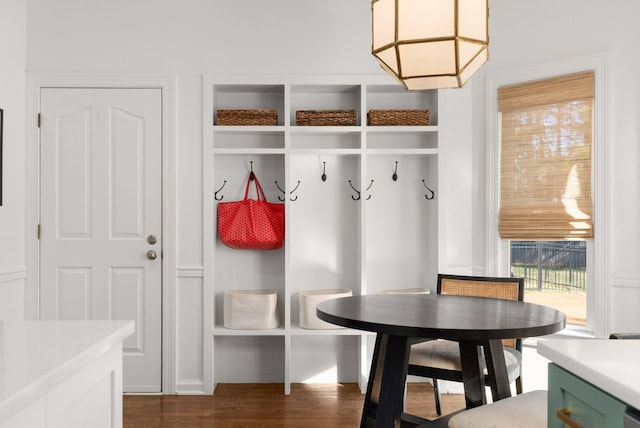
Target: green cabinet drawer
{"type": "Point", "coordinates": [584, 404]}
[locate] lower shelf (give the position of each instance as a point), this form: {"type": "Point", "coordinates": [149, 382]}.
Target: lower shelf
{"type": "Point", "coordinates": [290, 358]}
{"type": "Point", "coordinates": [222, 331]}
{"type": "Point", "coordinates": [292, 331]}
{"type": "Point", "coordinates": [249, 359]}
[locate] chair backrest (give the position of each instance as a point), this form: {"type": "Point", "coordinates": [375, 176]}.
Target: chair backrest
{"type": "Point", "coordinates": [484, 286]}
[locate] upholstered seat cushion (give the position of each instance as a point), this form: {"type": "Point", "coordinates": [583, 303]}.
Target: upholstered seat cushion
{"type": "Point", "coordinates": [528, 410]}
{"type": "Point", "coordinates": [445, 354]}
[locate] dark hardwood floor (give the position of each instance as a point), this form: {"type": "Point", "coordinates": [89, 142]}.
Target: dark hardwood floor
{"type": "Point", "coordinates": [266, 406]}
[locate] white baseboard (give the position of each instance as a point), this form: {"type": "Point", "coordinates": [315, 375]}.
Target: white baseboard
{"type": "Point", "coordinates": [190, 387]}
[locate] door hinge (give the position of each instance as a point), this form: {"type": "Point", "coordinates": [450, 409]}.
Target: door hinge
{"type": "Point", "coordinates": [39, 231]}
{"type": "Point", "coordinates": [39, 120]}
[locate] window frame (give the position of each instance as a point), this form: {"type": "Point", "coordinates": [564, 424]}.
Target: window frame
{"type": "Point", "coordinates": [497, 261]}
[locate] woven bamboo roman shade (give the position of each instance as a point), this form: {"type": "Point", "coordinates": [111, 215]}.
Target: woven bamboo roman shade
{"type": "Point", "coordinates": [546, 158]}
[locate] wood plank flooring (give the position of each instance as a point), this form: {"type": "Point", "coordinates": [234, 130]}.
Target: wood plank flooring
{"type": "Point", "coordinates": [266, 406]}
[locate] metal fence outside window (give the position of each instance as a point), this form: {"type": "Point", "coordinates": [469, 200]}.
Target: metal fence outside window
{"type": "Point", "coordinates": [550, 265]}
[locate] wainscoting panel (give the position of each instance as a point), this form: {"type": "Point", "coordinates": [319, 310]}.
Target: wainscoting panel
{"type": "Point", "coordinates": [13, 293]}
{"type": "Point", "coordinates": [189, 334]}
{"type": "Point", "coordinates": [625, 295]}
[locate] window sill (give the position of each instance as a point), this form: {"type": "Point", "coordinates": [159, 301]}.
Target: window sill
{"type": "Point", "coordinates": [571, 332]}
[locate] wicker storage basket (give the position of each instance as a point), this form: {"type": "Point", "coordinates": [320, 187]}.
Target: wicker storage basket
{"type": "Point", "coordinates": [247, 117]}
{"type": "Point", "coordinates": [398, 117]}
{"type": "Point", "coordinates": [325, 117]}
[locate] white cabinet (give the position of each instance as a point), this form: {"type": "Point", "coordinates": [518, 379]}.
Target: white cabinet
{"type": "Point", "coordinates": [61, 374]}
{"type": "Point", "coordinates": [358, 228]}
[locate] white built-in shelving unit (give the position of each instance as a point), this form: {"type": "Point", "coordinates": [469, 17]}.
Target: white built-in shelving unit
{"type": "Point", "coordinates": [384, 237]}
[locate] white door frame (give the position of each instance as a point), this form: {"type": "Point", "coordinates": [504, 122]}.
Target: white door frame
{"type": "Point", "coordinates": [167, 84]}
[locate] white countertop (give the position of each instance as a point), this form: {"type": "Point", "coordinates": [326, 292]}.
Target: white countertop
{"type": "Point", "coordinates": [611, 365]}
{"type": "Point", "coordinates": [37, 355]}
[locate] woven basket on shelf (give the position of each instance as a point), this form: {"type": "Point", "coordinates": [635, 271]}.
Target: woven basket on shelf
{"type": "Point", "coordinates": [247, 117]}
{"type": "Point", "coordinates": [398, 117]}
{"type": "Point", "coordinates": [325, 117]}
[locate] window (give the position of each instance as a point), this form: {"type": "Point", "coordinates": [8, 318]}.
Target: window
{"type": "Point", "coordinates": [500, 251]}
{"type": "Point", "coordinates": [555, 274]}
{"type": "Point", "coordinates": [545, 187]}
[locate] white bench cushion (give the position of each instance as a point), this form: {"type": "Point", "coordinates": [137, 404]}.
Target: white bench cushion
{"type": "Point", "coordinates": [527, 410]}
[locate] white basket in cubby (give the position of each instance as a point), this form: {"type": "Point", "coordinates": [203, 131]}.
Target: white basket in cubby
{"type": "Point", "coordinates": [309, 300]}
{"type": "Point", "coordinates": [251, 309]}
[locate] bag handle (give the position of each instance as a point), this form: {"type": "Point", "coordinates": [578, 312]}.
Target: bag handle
{"type": "Point", "coordinates": [259, 191]}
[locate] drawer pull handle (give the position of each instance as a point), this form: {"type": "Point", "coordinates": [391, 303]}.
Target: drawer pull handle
{"type": "Point", "coordinates": [564, 415]}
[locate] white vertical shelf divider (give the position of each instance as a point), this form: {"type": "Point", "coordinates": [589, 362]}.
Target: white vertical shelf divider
{"type": "Point", "coordinates": [363, 361]}
{"type": "Point", "coordinates": [208, 230]}
{"type": "Point", "coordinates": [286, 144]}
{"type": "Point", "coordinates": [287, 258]}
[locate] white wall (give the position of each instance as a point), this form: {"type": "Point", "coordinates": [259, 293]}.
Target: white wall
{"type": "Point", "coordinates": [13, 32]}
{"type": "Point", "coordinates": [190, 38]}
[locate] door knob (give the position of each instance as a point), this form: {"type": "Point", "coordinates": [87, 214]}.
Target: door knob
{"type": "Point", "coordinates": [152, 255]}
{"type": "Point", "coordinates": [151, 239]}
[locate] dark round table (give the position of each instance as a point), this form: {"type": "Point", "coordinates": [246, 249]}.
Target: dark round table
{"type": "Point", "coordinates": [401, 320]}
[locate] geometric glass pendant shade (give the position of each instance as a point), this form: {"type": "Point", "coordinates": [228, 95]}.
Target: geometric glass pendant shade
{"type": "Point", "coordinates": [430, 44]}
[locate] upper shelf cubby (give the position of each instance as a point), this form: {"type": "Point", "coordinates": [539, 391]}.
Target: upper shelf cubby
{"type": "Point", "coordinates": [249, 97]}
{"type": "Point", "coordinates": [393, 97]}
{"type": "Point", "coordinates": [325, 97]}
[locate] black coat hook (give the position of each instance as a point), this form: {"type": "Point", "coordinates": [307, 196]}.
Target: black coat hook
{"type": "Point", "coordinates": [324, 171]}
{"type": "Point", "coordinates": [355, 190]}
{"type": "Point", "coordinates": [294, 189]}
{"type": "Point", "coordinates": [251, 175]}
{"type": "Point", "coordinates": [283, 192]}
{"type": "Point", "coordinates": [395, 173]}
{"type": "Point", "coordinates": [431, 193]}
{"type": "Point", "coordinates": [370, 184]}
{"type": "Point", "coordinates": [290, 193]}
{"type": "Point", "coordinates": [215, 195]}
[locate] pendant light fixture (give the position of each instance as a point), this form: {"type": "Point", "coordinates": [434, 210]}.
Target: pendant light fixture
{"type": "Point", "coordinates": [430, 44]}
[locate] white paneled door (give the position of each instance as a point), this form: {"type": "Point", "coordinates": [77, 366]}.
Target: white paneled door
{"type": "Point", "coordinates": [101, 216]}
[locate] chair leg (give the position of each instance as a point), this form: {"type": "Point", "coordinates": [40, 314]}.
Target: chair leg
{"type": "Point", "coordinates": [519, 385]}
{"type": "Point", "coordinates": [436, 396]}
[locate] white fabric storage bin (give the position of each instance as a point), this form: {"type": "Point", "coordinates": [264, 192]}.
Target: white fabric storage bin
{"type": "Point", "coordinates": [406, 291]}
{"type": "Point", "coordinates": [250, 309]}
{"type": "Point", "coordinates": [310, 299]}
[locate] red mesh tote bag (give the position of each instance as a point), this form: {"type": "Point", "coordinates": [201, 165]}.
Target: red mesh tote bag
{"type": "Point", "coordinates": [251, 224]}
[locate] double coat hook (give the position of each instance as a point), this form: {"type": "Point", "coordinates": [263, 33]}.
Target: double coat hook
{"type": "Point", "coordinates": [290, 193]}
{"type": "Point", "coordinates": [358, 192]}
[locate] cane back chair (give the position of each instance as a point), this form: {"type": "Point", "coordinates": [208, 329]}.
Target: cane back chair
{"type": "Point", "coordinates": [440, 359]}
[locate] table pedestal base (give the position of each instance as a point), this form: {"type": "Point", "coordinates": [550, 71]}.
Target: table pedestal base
{"type": "Point", "coordinates": [384, 400]}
